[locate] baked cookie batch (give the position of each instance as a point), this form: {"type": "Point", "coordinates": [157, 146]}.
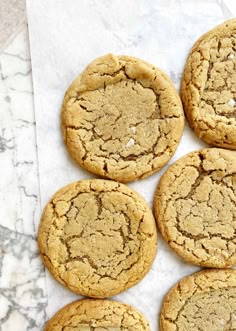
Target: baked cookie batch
{"type": "Point", "coordinates": [122, 119]}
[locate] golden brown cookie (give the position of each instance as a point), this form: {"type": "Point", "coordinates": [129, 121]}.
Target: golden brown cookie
{"type": "Point", "coordinates": [97, 315]}
{"type": "Point", "coordinates": [195, 207]}
{"type": "Point", "coordinates": [97, 237]}
{"type": "Point", "coordinates": [208, 88]}
{"type": "Point", "coordinates": [204, 301]}
{"type": "Point", "coordinates": [122, 118]}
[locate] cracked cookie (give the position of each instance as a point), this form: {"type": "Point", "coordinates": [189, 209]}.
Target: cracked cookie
{"type": "Point", "coordinates": [208, 87]}
{"type": "Point", "coordinates": [122, 118]}
{"type": "Point", "coordinates": [97, 237]}
{"type": "Point", "coordinates": [204, 301]}
{"type": "Point", "coordinates": [97, 315]}
{"type": "Point", "coordinates": [195, 207]}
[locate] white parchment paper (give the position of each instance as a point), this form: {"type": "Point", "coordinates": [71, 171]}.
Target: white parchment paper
{"type": "Point", "coordinates": [65, 35]}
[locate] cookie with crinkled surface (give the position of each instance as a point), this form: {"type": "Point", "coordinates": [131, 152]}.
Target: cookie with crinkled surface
{"type": "Point", "coordinates": [195, 207]}
{"type": "Point", "coordinates": [97, 315]}
{"type": "Point", "coordinates": [208, 88]}
{"type": "Point", "coordinates": [97, 237]}
{"type": "Point", "coordinates": [204, 301]}
{"type": "Point", "coordinates": [122, 118]}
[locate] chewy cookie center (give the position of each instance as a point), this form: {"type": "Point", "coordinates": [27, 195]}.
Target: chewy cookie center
{"type": "Point", "coordinates": [206, 216]}
{"type": "Point", "coordinates": [98, 238]}
{"type": "Point", "coordinates": [209, 208]}
{"type": "Point", "coordinates": [214, 311]}
{"type": "Point", "coordinates": [121, 120]}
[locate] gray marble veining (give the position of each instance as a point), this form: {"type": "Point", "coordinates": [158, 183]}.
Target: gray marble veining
{"type": "Point", "coordinates": [23, 296]}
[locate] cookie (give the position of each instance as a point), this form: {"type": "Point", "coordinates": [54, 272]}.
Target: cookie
{"type": "Point", "coordinates": [97, 315]}
{"type": "Point", "coordinates": [208, 87]}
{"type": "Point", "coordinates": [97, 237]}
{"type": "Point", "coordinates": [204, 301]}
{"type": "Point", "coordinates": [122, 118]}
{"type": "Point", "coordinates": [195, 207]}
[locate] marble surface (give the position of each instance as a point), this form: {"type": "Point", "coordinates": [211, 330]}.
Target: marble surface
{"type": "Point", "coordinates": [62, 43]}
{"type": "Point", "coordinates": [12, 16]}
{"type": "Point", "coordinates": [23, 297]}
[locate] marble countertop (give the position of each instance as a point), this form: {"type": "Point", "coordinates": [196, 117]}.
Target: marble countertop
{"type": "Point", "coordinates": [23, 297]}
